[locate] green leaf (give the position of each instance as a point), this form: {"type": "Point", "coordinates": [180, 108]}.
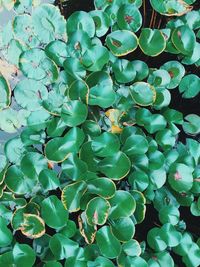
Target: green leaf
{"type": "Point", "coordinates": [170, 235]}
{"type": "Point", "coordinates": [95, 58]}
{"type": "Point", "coordinates": [33, 226]}
{"type": "Point", "coordinates": [101, 89]}
{"type": "Point", "coordinates": [62, 247]}
{"type": "Point", "coordinates": [108, 244]}
{"type": "Point", "coordinates": [142, 93]}
{"type": "Point", "coordinates": [87, 231]}
{"type": "Point", "coordinates": [53, 212]}
{"type": "Point", "coordinates": [105, 145]}
{"type": "Point", "coordinates": [58, 149]}
{"type": "Point", "coordinates": [48, 23]}
{"type": "Point", "coordinates": [192, 124]}
{"type": "Point", "coordinates": [102, 187]}
{"type": "Point", "coordinates": [132, 248]}
{"type": "Point", "coordinates": [152, 42]}
{"type": "Point", "coordinates": [138, 180]}
{"type": "Point", "coordinates": [5, 233]}
{"type": "Point", "coordinates": [180, 177]}
{"type": "Point", "coordinates": [123, 229]}
{"type": "Point", "coordinates": [155, 241]}
{"type": "Point", "coordinates": [135, 144]}
{"type": "Point", "coordinates": [129, 18]}
{"type": "Point", "coordinates": [124, 70]}
{"type": "Point", "coordinates": [121, 42]}
{"type": "Point", "coordinates": [37, 66]}
{"type": "Point", "coordinates": [176, 72]}
{"type": "Point", "coordinates": [97, 211]}
{"type": "Point", "coordinates": [184, 39]}
{"type": "Point", "coordinates": [122, 205]}
{"type": "Point", "coordinates": [74, 113]}
{"type": "Point", "coordinates": [116, 166]}
{"type": "Point", "coordinates": [102, 22]}
{"type": "Point", "coordinates": [29, 94]}
{"type": "Point", "coordinates": [24, 30]}
{"type": "Point", "coordinates": [170, 7]}
{"type": "Point", "coordinates": [5, 92]}
{"type": "Point", "coordinates": [189, 86]}
{"type": "Point", "coordinates": [71, 195]}
{"type": "Point", "coordinates": [81, 20]}
{"type": "Point", "coordinates": [74, 167]}
{"type": "Point", "coordinates": [23, 255]}
{"type": "Point", "coordinates": [78, 90]}
{"type": "Point", "coordinates": [57, 51]}
{"type": "Point", "coordinates": [169, 214]}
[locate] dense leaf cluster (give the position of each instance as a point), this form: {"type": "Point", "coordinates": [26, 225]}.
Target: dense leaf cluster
{"type": "Point", "coordinates": [96, 140]}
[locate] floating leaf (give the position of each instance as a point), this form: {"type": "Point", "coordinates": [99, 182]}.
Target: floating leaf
{"type": "Point", "coordinates": [116, 166]}
{"type": "Point", "coordinates": [48, 23]}
{"type": "Point", "coordinates": [6, 235]}
{"type": "Point", "coordinates": [74, 113]}
{"type": "Point", "coordinates": [71, 195]}
{"type": "Point", "coordinates": [176, 72]}
{"type": "Point", "coordinates": [108, 244]}
{"type": "Point", "coordinates": [123, 229]}
{"type": "Point", "coordinates": [102, 22]}
{"type": "Point", "coordinates": [81, 20]}
{"type": "Point", "coordinates": [142, 93]}
{"type": "Point", "coordinates": [23, 255]}
{"type": "Point", "coordinates": [180, 177]}
{"type": "Point", "coordinates": [58, 51]}
{"type": "Point", "coordinates": [29, 94]}
{"type": "Point", "coordinates": [184, 39]}
{"type": "Point", "coordinates": [53, 212]}
{"type": "Point", "coordinates": [122, 205]}
{"type": "Point", "coordinates": [101, 89]}
{"type": "Point", "coordinates": [102, 187]}
{"type": "Point", "coordinates": [58, 149]}
{"type": "Point", "coordinates": [24, 30]}
{"type": "Point", "coordinates": [189, 86]}
{"type": "Point", "coordinates": [152, 42]}
{"type": "Point", "coordinates": [129, 18]}
{"type": "Point", "coordinates": [192, 124]}
{"type": "Point", "coordinates": [171, 7]}
{"type": "Point", "coordinates": [97, 211]}
{"type": "Point", "coordinates": [5, 92]}
{"type": "Point", "coordinates": [33, 226]}
{"type": "Point", "coordinates": [37, 66]}
{"type": "Point", "coordinates": [121, 42]}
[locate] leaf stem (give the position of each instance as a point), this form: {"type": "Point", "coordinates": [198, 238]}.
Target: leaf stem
{"type": "Point", "coordinates": [152, 17]}
{"type": "Point", "coordinates": [144, 12]}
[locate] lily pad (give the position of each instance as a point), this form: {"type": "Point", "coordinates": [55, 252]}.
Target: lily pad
{"type": "Point", "coordinates": [71, 195]}
{"type": "Point", "coordinates": [152, 42]}
{"type": "Point", "coordinates": [53, 212]}
{"type": "Point", "coordinates": [116, 166]}
{"type": "Point", "coordinates": [108, 244]}
{"type": "Point", "coordinates": [129, 17]}
{"type": "Point", "coordinates": [142, 93]}
{"type": "Point", "coordinates": [121, 42]}
{"type": "Point", "coordinates": [189, 86]}
{"type": "Point", "coordinates": [81, 20]}
{"type": "Point", "coordinates": [101, 89]}
{"type": "Point", "coordinates": [37, 66]}
{"type": "Point", "coordinates": [48, 23]}
{"type": "Point", "coordinates": [184, 39]}
{"type": "Point", "coordinates": [29, 94]}
{"type": "Point", "coordinates": [97, 211]}
{"type": "Point", "coordinates": [180, 177]}
{"type": "Point", "coordinates": [5, 92]}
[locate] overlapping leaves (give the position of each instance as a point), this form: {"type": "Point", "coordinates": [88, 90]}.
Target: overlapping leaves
{"type": "Point", "coordinates": [99, 142]}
